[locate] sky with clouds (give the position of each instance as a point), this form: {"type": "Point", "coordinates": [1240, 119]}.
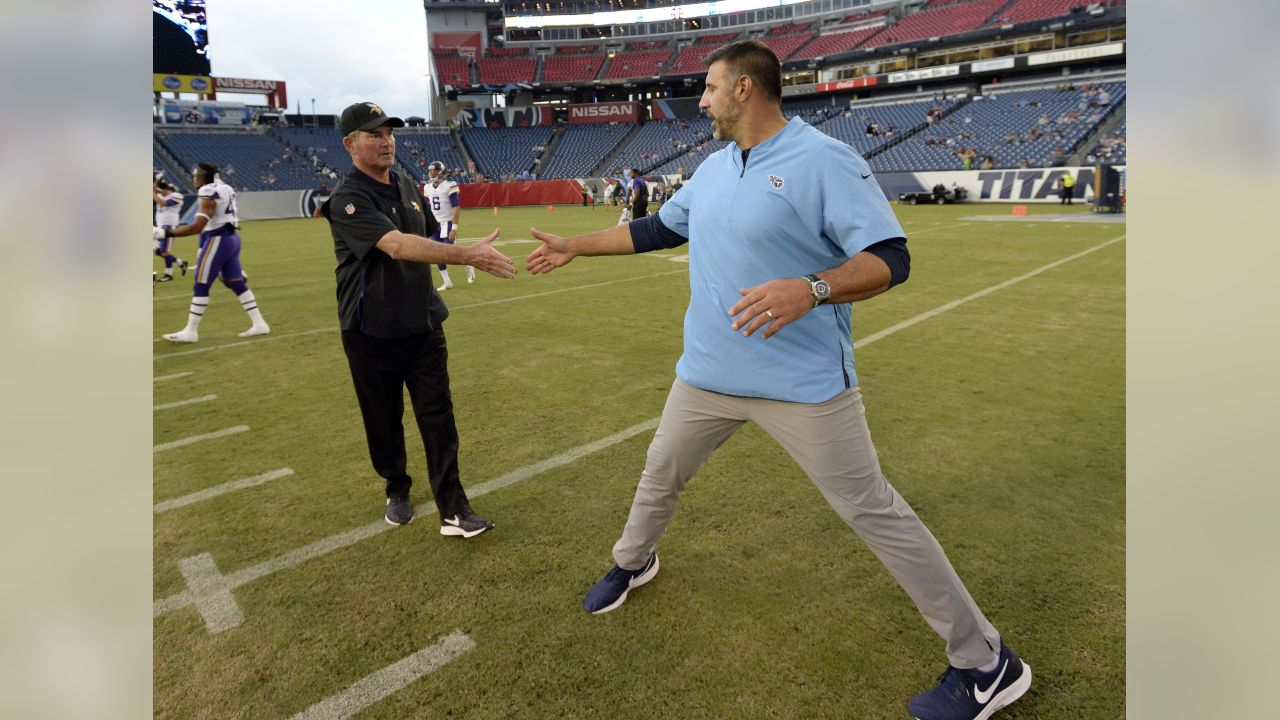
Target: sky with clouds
{"type": "Point", "coordinates": [337, 52]}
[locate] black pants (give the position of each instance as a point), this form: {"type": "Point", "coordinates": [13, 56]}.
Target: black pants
{"type": "Point", "coordinates": [380, 370]}
{"type": "Point", "coordinates": [1065, 195]}
{"type": "Point", "coordinates": [639, 209]}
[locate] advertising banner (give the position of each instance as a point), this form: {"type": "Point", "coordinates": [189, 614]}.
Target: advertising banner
{"type": "Point", "coordinates": [198, 84]}
{"type": "Point", "coordinates": [603, 112]}
{"type": "Point", "coordinates": [1073, 54]}
{"type": "Point", "coordinates": [246, 85]}
{"type": "Point", "coordinates": [535, 116]}
{"type": "Point", "coordinates": [924, 74]}
{"type": "Point", "coordinates": [1033, 185]}
{"type": "Point", "coordinates": [850, 84]}
{"type": "Point", "coordinates": [194, 112]}
{"type": "Point", "coordinates": [990, 65]}
{"type": "Point", "coordinates": [466, 43]}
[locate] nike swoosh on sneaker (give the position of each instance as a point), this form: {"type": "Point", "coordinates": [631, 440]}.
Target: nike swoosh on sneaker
{"type": "Point", "coordinates": [454, 521]}
{"type": "Point", "coordinates": [984, 696]}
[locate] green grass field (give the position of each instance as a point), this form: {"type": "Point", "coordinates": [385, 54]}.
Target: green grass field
{"type": "Point", "coordinates": [1000, 420]}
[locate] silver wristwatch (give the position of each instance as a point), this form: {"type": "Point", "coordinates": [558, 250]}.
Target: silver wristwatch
{"type": "Point", "coordinates": [820, 289]}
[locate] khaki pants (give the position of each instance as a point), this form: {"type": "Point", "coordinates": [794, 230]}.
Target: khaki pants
{"type": "Point", "coordinates": [831, 443]}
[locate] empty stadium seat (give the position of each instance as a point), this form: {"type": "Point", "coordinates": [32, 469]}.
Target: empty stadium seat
{"type": "Point", "coordinates": [504, 150]}
{"type": "Point", "coordinates": [573, 68]}
{"type": "Point", "coordinates": [645, 64]}
{"type": "Point", "coordinates": [949, 20]}
{"type": "Point", "coordinates": [581, 148]}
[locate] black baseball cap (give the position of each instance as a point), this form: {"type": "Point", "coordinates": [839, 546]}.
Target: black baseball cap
{"type": "Point", "coordinates": [365, 116]}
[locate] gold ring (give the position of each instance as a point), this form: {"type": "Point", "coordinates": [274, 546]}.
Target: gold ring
{"type": "Point", "coordinates": [770, 314]}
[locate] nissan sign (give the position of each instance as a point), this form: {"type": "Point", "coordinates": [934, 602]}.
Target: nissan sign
{"type": "Point", "coordinates": [603, 112]}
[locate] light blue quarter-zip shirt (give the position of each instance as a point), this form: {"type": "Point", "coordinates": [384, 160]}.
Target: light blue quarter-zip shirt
{"type": "Point", "coordinates": [803, 203]}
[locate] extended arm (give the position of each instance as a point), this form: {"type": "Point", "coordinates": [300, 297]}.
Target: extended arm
{"type": "Point", "coordinates": [415, 248]}
{"type": "Point", "coordinates": [557, 251]}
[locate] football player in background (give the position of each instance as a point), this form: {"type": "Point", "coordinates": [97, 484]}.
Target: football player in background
{"type": "Point", "coordinates": [218, 227]}
{"type": "Point", "coordinates": [446, 205]}
{"type": "Point", "coordinates": [168, 209]}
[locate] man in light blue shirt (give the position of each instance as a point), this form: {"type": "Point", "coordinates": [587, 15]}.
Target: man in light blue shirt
{"type": "Point", "coordinates": [786, 228]}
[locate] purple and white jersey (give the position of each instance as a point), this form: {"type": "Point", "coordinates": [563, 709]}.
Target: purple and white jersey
{"type": "Point", "coordinates": [224, 212]}
{"type": "Point", "coordinates": [442, 198]}
{"type": "Point", "coordinates": [169, 211]}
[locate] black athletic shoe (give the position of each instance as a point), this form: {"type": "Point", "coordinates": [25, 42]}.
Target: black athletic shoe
{"type": "Point", "coordinates": [466, 524]}
{"type": "Point", "coordinates": [399, 511]}
{"type": "Point", "coordinates": [182, 265]}
{"type": "Point", "coordinates": [165, 278]}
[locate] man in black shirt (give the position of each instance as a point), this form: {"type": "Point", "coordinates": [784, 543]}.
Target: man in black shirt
{"type": "Point", "coordinates": [392, 316]}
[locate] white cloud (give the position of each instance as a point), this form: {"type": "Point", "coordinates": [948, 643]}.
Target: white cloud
{"type": "Point", "coordinates": [335, 52]}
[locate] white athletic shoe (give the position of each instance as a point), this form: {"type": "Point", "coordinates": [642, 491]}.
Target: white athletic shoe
{"type": "Point", "coordinates": [444, 287]}
{"type": "Point", "coordinates": [471, 276]}
{"type": "Point", "coordinates": [183, 336]}
{"type": "Point", "coordinates": [262, 329]}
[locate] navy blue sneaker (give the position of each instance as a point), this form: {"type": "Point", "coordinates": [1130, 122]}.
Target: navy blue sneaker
{"type": "Point", "coordinates": [972, 694]}
{"type": "Point", "coordinates": [611, 591]}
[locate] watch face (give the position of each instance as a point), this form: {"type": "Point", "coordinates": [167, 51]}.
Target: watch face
{"type": "Point", "coordinates": [821, 290]}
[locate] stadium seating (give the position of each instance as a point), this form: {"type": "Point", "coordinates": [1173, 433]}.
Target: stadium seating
{"type": "Point", "coordinates": [789, 29]}
{"type": "Point", "coordinates": [892, 123]}
{"type": "Point", "coordinates": [416, 148]}
{"type": "Point", "coordinates": [635, 64]}
{"type": "Point", "coordinates": [573, 68]}
{"type": "Point", "coordinates": [949, 20]}
{"type": "Point", "coordinates": [689, 61]}
{"type": "Point", "coordinates": [1111, 149]}
{"type": "Point", "coordinates": [715, 40]}
{"type": "Point", "coordinates": [581, 148]}
{"type": "Point", "coordinates": [508, 150]}
{"type": "Point", "coordinates": [836, 43]}
{"type": "Point", "coordinates": [576, 49]}
{"type": "Point", "coordinates": [249, 160]}
{"type": "Point", "coordinates": [681, 141]}
{"type": "Point", "coordinates": [507, 52]}
{"type": "Point", "coordinates": [647, 45]}
{"type": "Point", "coordinates": [324, 143]}
{"type": "Point", "coordinates": [452, 69]}
{"type": "Point", "coordinates": [501, 71]}
{"type": "Point", "coordinates": [998, 124]}
{"type": "Point", "coordinates": [1028, 10]}
{"type": "Point", "coordinates": [785, 46]}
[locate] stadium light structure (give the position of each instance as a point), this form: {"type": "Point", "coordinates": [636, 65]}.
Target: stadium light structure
{"type": "Point", "coordinates": [623, 17]}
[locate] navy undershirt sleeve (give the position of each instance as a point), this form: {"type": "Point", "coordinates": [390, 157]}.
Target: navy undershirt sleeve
{"type": "Point", "coordinates": [894, 254]}
{"type": "Point", "coordinates": [648, 234]}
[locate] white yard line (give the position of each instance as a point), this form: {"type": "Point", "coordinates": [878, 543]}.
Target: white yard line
{"type": "Point", "coordinates": [224, 488]}
{"type": "Point", "coordinates": [198, 438]}
{"type": "Point", "coordinates": [207, 592]}
{"type": "Point", "coordinates": [388, 680]}
{"type": "Point", "coordinates": [174, 376]}
{"type": "Point", "coordinates": [180, 403]}
{"type": "Point", "coordinates": [981, 293]}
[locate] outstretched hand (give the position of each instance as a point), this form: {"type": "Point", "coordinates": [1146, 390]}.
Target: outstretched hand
{"type": "Point", "coordinates": [776, 303]}
{"type": "Point", "coordinates": [553, 253]}
{"type": "Point", "coordinates": [484, 257]}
